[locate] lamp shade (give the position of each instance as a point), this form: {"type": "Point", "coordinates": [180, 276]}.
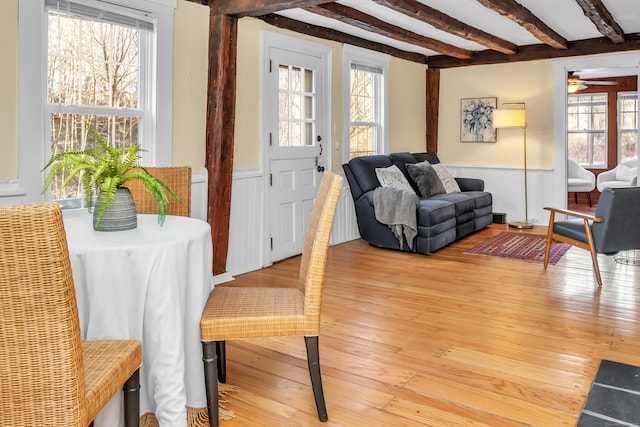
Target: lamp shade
{"type": "Point", "coordinates": [506, 118]}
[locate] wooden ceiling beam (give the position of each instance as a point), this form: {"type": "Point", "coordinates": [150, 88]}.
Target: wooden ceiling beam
{"type": "Point", "coordinates": [539, 51]}
{"type": "Point", "coordinates": [240, 8]}
{"type": "Point", "coordinates": [340, 37]}
{"type": "Point", "coordinates": [369, 23]}
{"type": "Point", "coordinates": [446, 23]}
{"type": "Point", "coordinates": [598, 13]}
{"type": "Point", "coordinates": [523, 17]}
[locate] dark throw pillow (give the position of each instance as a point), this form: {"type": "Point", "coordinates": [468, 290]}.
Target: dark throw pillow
{"type": "Point", "coordinates": [426, 178]}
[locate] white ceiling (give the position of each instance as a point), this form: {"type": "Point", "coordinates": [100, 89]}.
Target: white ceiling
{"type": "Point", "coordinates": [563, 16]}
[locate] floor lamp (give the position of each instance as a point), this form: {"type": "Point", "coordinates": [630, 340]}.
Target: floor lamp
{"type": "Point", "coordinates": [514, 117]}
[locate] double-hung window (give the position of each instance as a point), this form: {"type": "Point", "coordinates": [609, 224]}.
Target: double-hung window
{"type": "Point", "coordinates": [587, 129]}
{"type": "Point", "coordinates": [104, 62]}
{"type": "Point", "coordinates": [627, 126]}
{"type": "Point", "coordinates": [365, 103]}
{"type": "Point", "coordinates": [98, 60]}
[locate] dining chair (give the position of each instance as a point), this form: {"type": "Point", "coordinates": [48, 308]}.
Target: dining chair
{"type": "Point", "coordinates": [178, 178]}
{"type": "Point", "coordinates": [48, 375]}
{"type": "Point", "coordinates": [614, 227]}
{"type": "Point", "coordinates": [251, 312]}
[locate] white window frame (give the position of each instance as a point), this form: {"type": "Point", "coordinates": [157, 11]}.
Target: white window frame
{"type": "Point", "coordinates": [604, 132]}
{"type": "Point", "coordinates": [621, 95]}
{"type": "Point", "coordinates": [33, 130]}
{"type": "Point", "coordinates": [352, 54]}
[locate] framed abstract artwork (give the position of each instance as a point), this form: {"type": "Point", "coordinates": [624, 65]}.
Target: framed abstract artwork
{"type": "Point", "coordinates": [476, 119]}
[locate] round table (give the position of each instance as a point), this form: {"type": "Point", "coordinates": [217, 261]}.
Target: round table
{"type": "Point", "coordinates": [150, 284]}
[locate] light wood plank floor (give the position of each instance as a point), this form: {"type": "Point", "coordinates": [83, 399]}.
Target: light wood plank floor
{"type": "Point", "coordinates": [450, 339]}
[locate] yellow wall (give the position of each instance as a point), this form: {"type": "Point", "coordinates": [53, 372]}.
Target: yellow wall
{"type": "Point", "coordinates": [406, 99]}
{"type": "Point", "coordinates": [190, 65]}
{"type": "Point", "coordinates": [528, 82]}
{"type": "Point", "coordinates": [407, 106]}
{"type": "Point", "coordinates": [9, 89]}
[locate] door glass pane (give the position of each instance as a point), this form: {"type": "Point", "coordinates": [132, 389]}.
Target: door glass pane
{"type": "Point", "coordinates": [296, 106]}
{"type": "Point", "coordinates": [308, 80]}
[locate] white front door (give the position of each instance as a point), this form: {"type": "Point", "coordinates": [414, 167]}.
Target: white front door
{"type": "Point", "coordinates": [295, 126]}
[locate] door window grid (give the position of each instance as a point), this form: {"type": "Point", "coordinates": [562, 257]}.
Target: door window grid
{"type": "Point", "coordinates": [587, 129]}
{"type": "Point", "coordinates": [296, 116]}
{"type": "Point", "coordinates": [364, 110]}
{"type": "Point", "coordinates": [627, 126]}
{"type": "Point", "coordinates": [94, 74]}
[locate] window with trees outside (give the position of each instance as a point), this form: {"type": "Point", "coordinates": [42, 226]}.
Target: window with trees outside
{"type": "Point", "coordinates": [365, 103]}
{"type": "Point", "coordinates": [97, 73]}
{"type": "Point", "coordinates": [364, 111]}
{"type": "Point", "coordinates": [587, 129]}
{"type": "Point", "coordinates": [627, 126]}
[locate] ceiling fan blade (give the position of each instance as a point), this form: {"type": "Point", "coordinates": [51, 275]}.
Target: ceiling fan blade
{"type": "Point", "coordinates": [598, 82]}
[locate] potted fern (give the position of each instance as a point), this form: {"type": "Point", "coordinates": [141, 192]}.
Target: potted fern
{"type": "Point", "coordinates": [104, 171]}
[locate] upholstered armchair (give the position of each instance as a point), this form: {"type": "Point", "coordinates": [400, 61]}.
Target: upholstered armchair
{"type": "Point", "coordinates": [623, 175]}
{"type": "Point", "coordinates": [615, 226]}
{"type": "Point", "coordinates": [580, 180]}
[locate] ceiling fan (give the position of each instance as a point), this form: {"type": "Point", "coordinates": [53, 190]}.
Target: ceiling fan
{"type": "Point", "coordinates": [575, 83]}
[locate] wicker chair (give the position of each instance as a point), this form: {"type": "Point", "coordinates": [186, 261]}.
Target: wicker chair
{"type": "Point", "coordinates": [178, 178]}
{"type": "Point", "coordinates": [243, 312]}
{"type": "Point", "coordinates": [48, 376]}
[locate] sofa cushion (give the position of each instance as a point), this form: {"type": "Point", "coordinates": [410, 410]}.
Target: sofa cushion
{"type": "Point", "coordinates": [462, 202]}
{"type": "Point", "coordinates": [363, 170]}
{"type": "Point", "coordinates": [434, 211]}
{"type": "Point", "coordinates": [392, 177]}
{"type": "Point", "coordinates": [426, 178]}
{"type": "Point", "coordinates": [448, 181]}
{"type": "Point", "coordinates": [429, 156]}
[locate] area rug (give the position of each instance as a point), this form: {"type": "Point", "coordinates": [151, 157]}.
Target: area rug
{"type": "Point", "coordinates": [524, 246]}
{"type": "Point", "coordinates": [614, 398]}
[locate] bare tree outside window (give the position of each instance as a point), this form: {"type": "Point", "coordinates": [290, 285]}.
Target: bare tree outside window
{"type": "Point", "coordinates": [628, 126]}
{"type": "Point", "coordinates": [364, 112]}
{"type": "Point", "coordinates": [296, 114]}
{"type": "Point", "coordinates": [587, 129]}
{"type": "Point", "coordinates": [93, 76]}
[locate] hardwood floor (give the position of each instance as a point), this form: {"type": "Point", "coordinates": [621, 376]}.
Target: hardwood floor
{"type": "Point", "coordinates": [450, 339]}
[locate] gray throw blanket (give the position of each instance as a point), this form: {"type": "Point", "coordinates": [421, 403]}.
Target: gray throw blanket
{"type": "Point", "coordinates": [397, 209]}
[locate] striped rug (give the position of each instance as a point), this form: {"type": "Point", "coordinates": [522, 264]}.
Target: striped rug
{"type": "Point", "coordinates": [518, 245]}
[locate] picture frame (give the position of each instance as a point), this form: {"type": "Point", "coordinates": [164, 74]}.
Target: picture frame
{"type": "Point", "coordinates": [476, 119]}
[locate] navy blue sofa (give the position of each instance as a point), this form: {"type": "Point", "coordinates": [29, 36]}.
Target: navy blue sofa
{"type": "Point", "coordinates": [441, 219]}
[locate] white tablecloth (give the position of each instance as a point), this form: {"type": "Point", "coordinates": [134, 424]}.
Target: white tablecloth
{"type": "Point", "coordinates": [150, 284]}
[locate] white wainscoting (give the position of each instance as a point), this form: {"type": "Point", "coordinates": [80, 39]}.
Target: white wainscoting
{"type": "Point", "coordinates": [507, 187]}
{"type": "Point", "coordinates": [246, 229]}
{"type": "Point", "coordinates": [246, 226]}
{"type": "Point", "coordinates": [199, 185]}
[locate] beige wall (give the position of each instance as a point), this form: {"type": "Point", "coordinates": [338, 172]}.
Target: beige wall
{"type": "Point", "coordinates": [190, 67]}
{"type": "Point", "coordinates": [528, 82]}
{"type": "Point", "coordinates": [406, 99]}
{"type": "Point", "coordinates": [9, 89]}
{"type": "Point", "coordinates": [407, 106]}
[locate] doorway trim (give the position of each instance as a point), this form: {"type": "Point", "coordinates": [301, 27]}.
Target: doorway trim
{"type": "Point", "coordinates": [560, 68]}
{"type": "Point", "coordinates": [277, 40]}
